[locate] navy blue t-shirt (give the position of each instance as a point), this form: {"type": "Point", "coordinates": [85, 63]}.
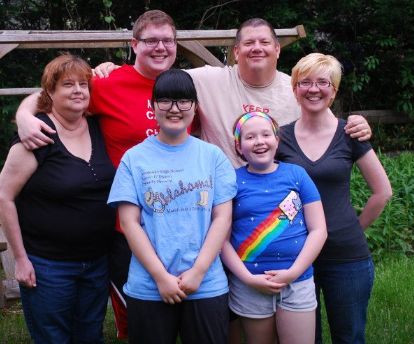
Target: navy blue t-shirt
{"type": "Point", "coordinates": [332, 175]}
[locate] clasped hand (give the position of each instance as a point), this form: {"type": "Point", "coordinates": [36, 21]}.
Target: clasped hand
{"type": "Point", "coordinates": [175, 289]}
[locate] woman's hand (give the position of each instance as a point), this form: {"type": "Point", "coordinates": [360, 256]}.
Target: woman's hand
{"type": "Point", "coordinates": [169, 289]}
{"type": "Point", "coordinates": [25, 273]}
{"type": "Point", "coordinates": [190, 281]}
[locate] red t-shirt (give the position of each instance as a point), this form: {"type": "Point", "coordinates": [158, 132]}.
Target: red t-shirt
{"type": "Point", "coordinates": [123, 102]}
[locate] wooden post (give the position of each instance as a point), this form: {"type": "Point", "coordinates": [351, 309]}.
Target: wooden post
{"type": "Point", "coordinates": [3, 247]}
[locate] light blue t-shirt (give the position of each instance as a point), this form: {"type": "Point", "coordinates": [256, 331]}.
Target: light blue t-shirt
{"type": "Point", "coordinates": [176, 188]}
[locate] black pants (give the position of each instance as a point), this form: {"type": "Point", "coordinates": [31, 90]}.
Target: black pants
{"type": "Point", "coordinates": [202, 321]}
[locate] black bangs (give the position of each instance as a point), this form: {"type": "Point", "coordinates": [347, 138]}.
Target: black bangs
{"type": "Point", "coordinates": [174, 84]}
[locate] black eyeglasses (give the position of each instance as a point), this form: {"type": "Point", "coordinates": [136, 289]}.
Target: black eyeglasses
{"type": "Point", "coordinates": [309, 84]}
{"type": "Point", "coordinates": [167, 104]}
{"type": "Point", "coordinates": [153, 42]}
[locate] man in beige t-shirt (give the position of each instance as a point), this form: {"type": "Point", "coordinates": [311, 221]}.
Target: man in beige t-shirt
{"type": "Point", "coordinates": [253, 84]}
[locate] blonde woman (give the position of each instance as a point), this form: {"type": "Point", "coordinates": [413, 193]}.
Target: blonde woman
{"type": "Point", "coordinates": [343, 271]}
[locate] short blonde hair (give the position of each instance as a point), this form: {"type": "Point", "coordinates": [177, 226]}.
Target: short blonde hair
{"type": "Point", "coordinates": [315, 63]}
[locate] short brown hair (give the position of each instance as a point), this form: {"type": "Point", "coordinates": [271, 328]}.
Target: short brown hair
{"type": "Point", "coordinates": [155, 17]}
{"type": "Point", "coordinates": [64, 65]}
{"type": "Point", "coordinates": [255, 22]}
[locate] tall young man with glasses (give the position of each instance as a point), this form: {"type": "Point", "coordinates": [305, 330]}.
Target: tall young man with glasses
{"type": "Point", "coordinates": [123, 103]}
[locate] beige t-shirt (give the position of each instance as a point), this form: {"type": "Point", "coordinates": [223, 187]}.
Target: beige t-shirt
{"type": "Point", "coordinates": [224, 97]}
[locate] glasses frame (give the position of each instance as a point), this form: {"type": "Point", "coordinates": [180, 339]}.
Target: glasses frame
{"type": "Point", "coordinates": [145, 40]}
{"type": "Point", "coordinates": [299, 83]}
{"type": "Point", "coordinates": [176, 103]}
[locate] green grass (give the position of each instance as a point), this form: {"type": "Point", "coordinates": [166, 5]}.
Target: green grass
{"type": "Point", "coordinates": [13, 327]}
{"type": "Point", "coordinates": [390, 313]}
{"type": "Point", "coordinates": [391, 308]}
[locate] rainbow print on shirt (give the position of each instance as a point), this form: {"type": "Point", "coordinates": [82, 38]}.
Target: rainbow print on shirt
{"type": "Point", "coordinates": [269, 229]}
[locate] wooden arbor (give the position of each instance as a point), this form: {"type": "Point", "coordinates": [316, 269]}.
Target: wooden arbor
{"type": "Point", "coordinates": [191, 44]}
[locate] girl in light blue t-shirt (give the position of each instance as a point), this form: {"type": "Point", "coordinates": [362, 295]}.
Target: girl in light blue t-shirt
{"type": "Point", "coordinates": [174, 196]}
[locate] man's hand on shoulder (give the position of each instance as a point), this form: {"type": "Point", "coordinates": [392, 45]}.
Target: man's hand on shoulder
{"type": "Point", "coordinates": [31, 135]}
{"type": "Point", "coordinates": [104, 69]}
{"type": "Point", "coordinates": [358, 128]}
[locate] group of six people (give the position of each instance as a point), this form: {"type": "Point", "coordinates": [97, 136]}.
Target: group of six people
{"type": "Point", "coordinates": [282, 224]}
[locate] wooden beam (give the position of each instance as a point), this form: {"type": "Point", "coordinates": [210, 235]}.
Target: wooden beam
{"type": "Point", "coordinates": [18, 91]}
{"type": "Point", "coordinates": [7, 258]}
{"type": "Point", "coordinates": [18, 37]}
{"type": "Point", "coordinates": [197, 54]}
{"type": "Point", "coordinates": [3, 246]}
{"type": "Point", "coordinates": [191, 43]}
{"type": "Point", "coordinates": [383, 116]}
{"type": "Point", "coordinates": [6, 48]}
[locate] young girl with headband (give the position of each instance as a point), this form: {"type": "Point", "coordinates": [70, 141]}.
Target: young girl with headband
{"type": "Point", "coordinates": [278, 230]}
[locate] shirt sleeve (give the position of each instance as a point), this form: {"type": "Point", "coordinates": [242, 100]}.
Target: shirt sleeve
{"type": "Point", "coordinates": [359, 149]}
{"type": "Point", "coordinates": [123, 188]}
{"type": "Point", "coordinates": [225, 180]}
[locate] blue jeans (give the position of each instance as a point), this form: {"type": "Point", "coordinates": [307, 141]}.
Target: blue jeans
{"type": "Point", "coordinates": [68, 305]}
{"type": "Point", "coordinates": [346, 290]}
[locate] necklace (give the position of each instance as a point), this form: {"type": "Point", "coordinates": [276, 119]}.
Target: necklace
{"type": "Point", "coordinates": [80, 122]}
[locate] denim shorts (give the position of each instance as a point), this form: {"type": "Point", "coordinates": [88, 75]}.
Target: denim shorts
{"type": "Point", "coordinates": [250, 303]}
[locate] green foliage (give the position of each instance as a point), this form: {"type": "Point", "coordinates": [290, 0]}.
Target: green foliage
{"type": "Point", "coordinates": [7, 126]}
{"type": "Point", "coordinates": [393, 137]}
{"type": "Point", "coordinates": [108, 16]}
{"type": "Point", "coordinates": [393, 232]}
